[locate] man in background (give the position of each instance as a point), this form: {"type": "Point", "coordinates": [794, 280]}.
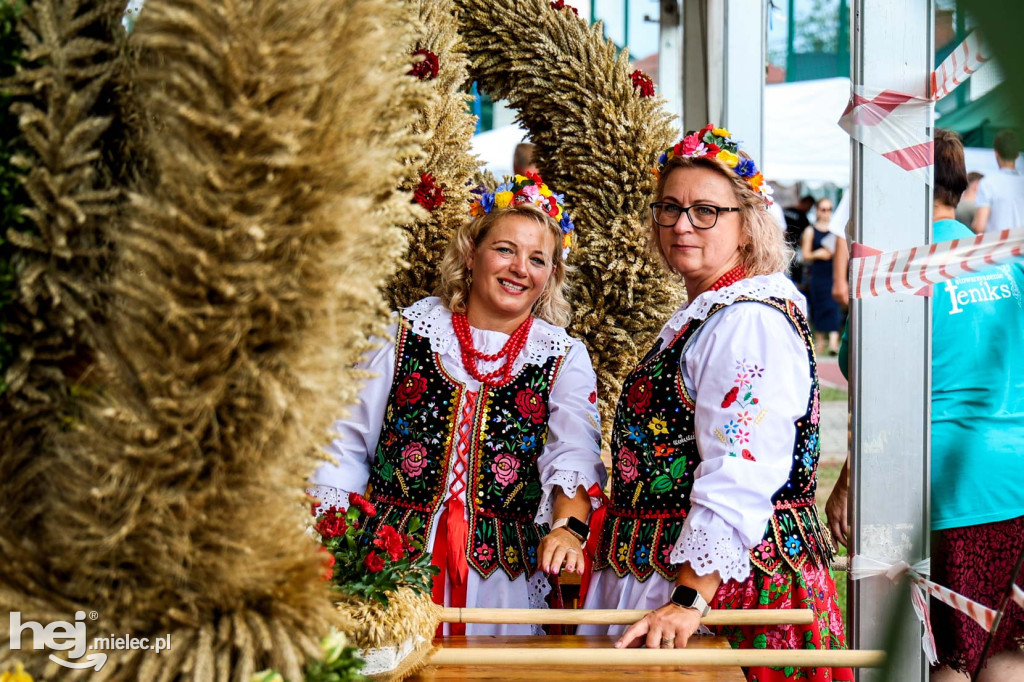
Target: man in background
{"type": "Point", "coordinates": [1000, 201]}
{"type": "Point", "coordinates": [522, 159]}
{"type": "Point", "coordinates": [965, 210]}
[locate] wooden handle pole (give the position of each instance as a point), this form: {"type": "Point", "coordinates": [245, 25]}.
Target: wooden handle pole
{"type": "Point", "coordinates": [620, 616]}
{"type": "Point", "coordinates": [798, 658]}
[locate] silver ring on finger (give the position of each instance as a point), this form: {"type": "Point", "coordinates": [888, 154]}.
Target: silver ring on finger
{"type": "Point", "coordinates": [571, 550]}
{"type": "Point", "coordinates": [668, 643]}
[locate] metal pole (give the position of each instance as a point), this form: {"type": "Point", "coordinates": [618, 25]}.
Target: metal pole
{"type": "Point", "coordinates": [790, 33]}
{"type": "Point", "coordinates": [891, 349]}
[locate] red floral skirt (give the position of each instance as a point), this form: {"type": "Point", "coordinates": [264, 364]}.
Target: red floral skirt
{"type": "Point", "coordinates": [811, 588]}
{"type": "Point", "coordinates": [977, 562]}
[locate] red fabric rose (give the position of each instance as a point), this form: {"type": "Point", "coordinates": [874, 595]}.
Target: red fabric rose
{"type": "Point", "coordinates": [713, 149]}
{"type": "Point", "coordinates": [639, 397]}
{"type": "Point", "coordinates": [414, 459]}
{"type": "Point", "coordinates": [331, 524]}
{"type": "Point", "coordinates": [531, 405]}
{"type": "Point", "coordinates": [426, 69]}
{"type": "Point", "coordinates": [374, 563]}
{"type": "Point", "coordinates": [410, 389]}
{"type": "Point", "coordinates": [390, 540]}
{"type": "Point", "coordinates": [428, 194]}
{"type": "Point", "coordinates": [730, 397]}
{"type": "Point", "coordinates": [362, 504]}
{"type": "Point", "coordinates": [329, 561]}
{"type": "Point", "coordinates": [643, 83]}
{"type": "Point", "coordinates": [687, 146]}
{"type": "Point", "coordinates": [560, 4]}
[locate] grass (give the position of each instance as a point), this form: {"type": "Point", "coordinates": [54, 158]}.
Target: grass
{"type": "Point", "coordinates": [828, 474]}
{"type": "Point", "coordinates": [829, 394]}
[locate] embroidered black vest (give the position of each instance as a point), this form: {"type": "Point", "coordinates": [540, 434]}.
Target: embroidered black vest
{"type": "Point", "coordinates": [416, 450]}
{"type": "Point", "coordinates": [655, 455]}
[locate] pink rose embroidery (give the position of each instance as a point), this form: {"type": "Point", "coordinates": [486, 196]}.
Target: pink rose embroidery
{"type": "Point", "coordinates": [414, 459]}
{"type": "Point", "coordinates": [506, 469]}
{"type": "Point", "coordinates": [626, 463]}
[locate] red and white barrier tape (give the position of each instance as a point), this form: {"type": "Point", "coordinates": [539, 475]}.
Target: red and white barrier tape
{"type": "Point", "coordinates": [866, 567]}
{"type": "Point", "coordinates": [968, 57]}
{"type": "Point", "coordinates": [895, 124]}
{"type": "Point", "coordinates": [908, 270]}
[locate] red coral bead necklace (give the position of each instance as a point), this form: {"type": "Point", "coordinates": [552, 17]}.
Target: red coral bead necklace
{"type": "Point", "coordinates": [510, 351]}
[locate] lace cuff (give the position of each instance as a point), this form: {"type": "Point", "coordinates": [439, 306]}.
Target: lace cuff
{"type": "Point", "coordinates": [328, 496]}
{"type": "Point", "coordinates": [568, 481]}
{"type": "Point", "coordinates": [725, 554]}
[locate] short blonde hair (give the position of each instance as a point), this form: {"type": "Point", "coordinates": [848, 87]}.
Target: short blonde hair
{"type": "Point", "coordinates": [766, 250]}
{"type": "Point", "coordinates": [453, 290]}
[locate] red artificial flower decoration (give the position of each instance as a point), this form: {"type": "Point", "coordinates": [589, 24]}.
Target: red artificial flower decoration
{"type": "Point", "coordinates": [560, 4]}
{"type": "Point", "coordinates": [389, 540]}
{"type": "Point", "coordinates": [426, 69]}
{"type": "Point", "coordinates": [428, 194]}
{"type": "Point", "coordinates": [332, 523]}
{"type": "Point", "coordinates": [530, 175]}
{"type": "Point", "coordinates": [643, 83]}
{"type": "Point", "coordinates": [362, 504]}
{"type": "Point", "coordinates": [374, 563]}
{"type": "Point", "coordinates": [329, 562]}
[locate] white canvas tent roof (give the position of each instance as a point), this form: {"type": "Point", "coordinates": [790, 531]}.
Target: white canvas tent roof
{"type": "Point", "coordinates": [803, 141]}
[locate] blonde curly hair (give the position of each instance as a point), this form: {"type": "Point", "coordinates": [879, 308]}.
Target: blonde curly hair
{"type": "Point", "coordinates": [453, 290]}
{"type": "Point", "coordinates": [765, 250]}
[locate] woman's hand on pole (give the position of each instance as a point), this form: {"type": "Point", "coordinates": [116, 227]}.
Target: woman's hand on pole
{"type": "Point", "coordinates": [669, 627]}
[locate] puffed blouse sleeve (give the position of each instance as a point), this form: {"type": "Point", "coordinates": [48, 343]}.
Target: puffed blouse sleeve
{"type": "Point", "coordinates": [749, 375]}
{"type": "Point", "coordinates": [356, 433]}
{"type": "Point", "coordinates": [572, 454]}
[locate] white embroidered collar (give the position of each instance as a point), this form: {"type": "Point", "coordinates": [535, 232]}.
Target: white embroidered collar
{"type": "Point", "coordinates": [761, 287]}
{"type": "Point", "coordinates": [431, 319]}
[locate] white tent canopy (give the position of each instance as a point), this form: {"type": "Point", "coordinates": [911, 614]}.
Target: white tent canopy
{"type": "Point", "coordinates": [802, 139]}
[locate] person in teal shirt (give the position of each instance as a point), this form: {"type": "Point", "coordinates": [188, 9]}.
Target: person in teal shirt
{"type": "Point", "coordinates": [977, 451]}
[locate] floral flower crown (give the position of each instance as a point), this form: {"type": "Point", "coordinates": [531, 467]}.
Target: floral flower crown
{"type": "Point", "coordinates": [717, 143]}
{"type": "Point", "coordinates": [525, 189]}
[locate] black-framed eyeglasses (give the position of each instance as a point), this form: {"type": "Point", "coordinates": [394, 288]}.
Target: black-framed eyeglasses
{"type": "Point", "coordinates": [701, 216]}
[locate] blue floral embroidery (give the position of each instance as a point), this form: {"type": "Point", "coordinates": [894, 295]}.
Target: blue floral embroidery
{"type": "Point", "coordinates": [636, 434]}
{"type": "Point", "coordinates": [402, 426]}
{"type": "Point", "coordinates": [529, 442]}
{"type": "Point", "coordinates": [793, 545]}
{"type": "Point", "coordinates": [642, 555]}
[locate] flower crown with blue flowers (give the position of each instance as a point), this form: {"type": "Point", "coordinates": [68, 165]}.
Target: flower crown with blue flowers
{"type": "Point", "coordinates": [717, 143]}
{"type": "Point", "coordinates": [525, 189]}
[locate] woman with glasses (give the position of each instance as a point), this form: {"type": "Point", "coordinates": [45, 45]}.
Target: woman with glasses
{"type": "Point", "coordinates": [715, 442]}
{"type": "Point", "coordinates": [819, 246]}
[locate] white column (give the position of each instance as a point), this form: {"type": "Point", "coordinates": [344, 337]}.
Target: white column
{"type": "Point", "coordinates": [890, 344]}
{"type": "Point", "coordinates": [670, 56]}
{"type": "Point", "coordinates": [724, 46]}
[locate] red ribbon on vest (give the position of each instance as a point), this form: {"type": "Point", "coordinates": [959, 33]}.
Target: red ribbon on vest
{"type": "Point", "coordinates": [452, 529]}
{"type": "Point", "coordinates": [593, 540]}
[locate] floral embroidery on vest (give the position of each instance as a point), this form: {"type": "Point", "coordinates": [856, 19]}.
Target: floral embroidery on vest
{"type": "Point", "coordinates": [416, 447]}
{"type": "Point", "coordinates": [656, 454]}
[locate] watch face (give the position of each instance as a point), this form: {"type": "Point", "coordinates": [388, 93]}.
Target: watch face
{"type": "Point", "coordinates": [578, 527]}
{"type": "Point", "coordinates": [685, 596]}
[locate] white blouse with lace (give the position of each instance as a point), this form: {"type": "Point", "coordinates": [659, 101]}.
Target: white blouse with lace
{"type": "Point", "coordinates": [571, 455]}
{"type": "Point", "coordinates": [731, 496]}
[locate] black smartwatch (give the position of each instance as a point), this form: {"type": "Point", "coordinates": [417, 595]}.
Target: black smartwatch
{"type": "Point", "coordinates": [574, 526]}
{"type": "Point", "coordinates": [689, 598]}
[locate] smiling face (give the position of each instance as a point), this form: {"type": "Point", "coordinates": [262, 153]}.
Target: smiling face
{"type": "Point", "coordinates": [510, 266]}
{"type": "Point", "coordinates": [701, 256]}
